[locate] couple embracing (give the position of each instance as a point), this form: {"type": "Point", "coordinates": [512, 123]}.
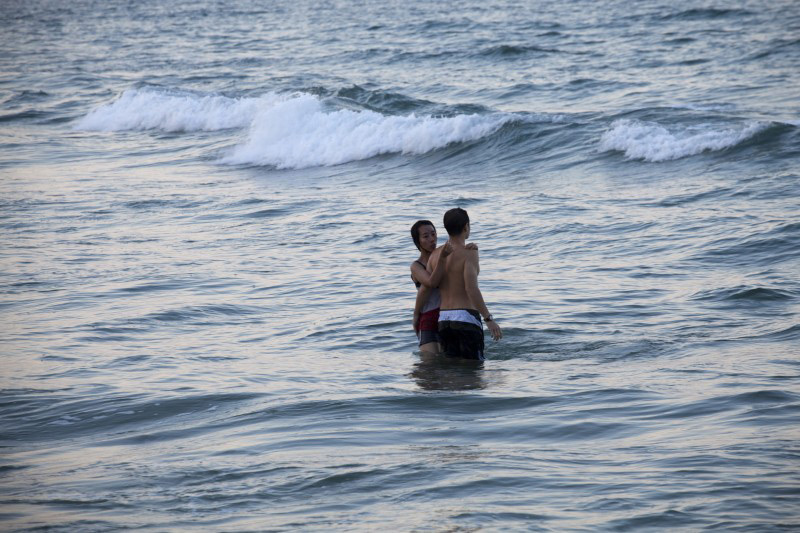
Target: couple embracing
{"type": "Point", "coordinates": [449, 306]}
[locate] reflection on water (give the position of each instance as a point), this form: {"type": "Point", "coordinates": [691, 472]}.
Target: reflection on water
{"type": "Point", "coordinates": [437, 372]}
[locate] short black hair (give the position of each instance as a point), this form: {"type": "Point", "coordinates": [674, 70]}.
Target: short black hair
{"type": "Point", "coordinates": [455, 220]}
{"type": "Point", "coordinates": [415, 230]}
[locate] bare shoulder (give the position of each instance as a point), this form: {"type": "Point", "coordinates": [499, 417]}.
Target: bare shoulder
{"type": "Point", "coordinates": [471, 260]}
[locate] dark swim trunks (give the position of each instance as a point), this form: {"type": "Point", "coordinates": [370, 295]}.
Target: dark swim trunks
{"type": "Point", "coordinates": [461, 333]}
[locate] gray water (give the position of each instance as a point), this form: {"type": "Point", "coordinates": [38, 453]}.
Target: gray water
{"type": "Point", "coordinates": [206, 310]}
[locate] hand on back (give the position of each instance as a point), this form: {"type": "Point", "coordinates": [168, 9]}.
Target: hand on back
{"type": "Point", "coordinates": [447, 249]}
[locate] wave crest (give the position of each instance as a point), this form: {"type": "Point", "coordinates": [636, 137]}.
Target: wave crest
{"type": "Point", "coordinates": [652, 142]}
{"type": "Point", "coordinates": [300, 133]}
{"type": "Point", "coordinates": [297, 130]}
{"type": "Point", "coordinates": [173, 111]}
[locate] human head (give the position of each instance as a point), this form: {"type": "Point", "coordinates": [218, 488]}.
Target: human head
{"type": "Point", "coordinates": [415, 232]}
{"type": "Point", "coordinates": [455, 221]}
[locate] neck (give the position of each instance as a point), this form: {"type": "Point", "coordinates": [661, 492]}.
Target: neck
{"type": "Point", "coordinates": [458, 240]}
{"type": "Point", "coordinates": [424, 255]}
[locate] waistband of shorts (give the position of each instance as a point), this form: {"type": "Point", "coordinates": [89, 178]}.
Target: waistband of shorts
{"type": "Point", "coordinates": [470, 316]}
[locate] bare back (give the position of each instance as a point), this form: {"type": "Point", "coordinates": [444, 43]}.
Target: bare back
{"type": "Point", "coordinates": [453, 286]}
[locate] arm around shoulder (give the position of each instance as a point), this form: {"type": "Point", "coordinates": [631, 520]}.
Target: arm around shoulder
{"type": "Point", "coordinates": [420, 274]}
{"type": "Point", "coordinates": [436, 265]}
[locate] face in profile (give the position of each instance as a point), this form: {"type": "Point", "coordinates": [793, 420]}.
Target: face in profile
{"type": "Point", "coordinates": [427, 238]}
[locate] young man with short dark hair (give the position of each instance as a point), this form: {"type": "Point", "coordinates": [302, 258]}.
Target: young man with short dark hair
{"type": "Point", "coordinates": [462, 305]}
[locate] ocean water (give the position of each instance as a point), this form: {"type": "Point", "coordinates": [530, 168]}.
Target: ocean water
{"type": "Point", "coordinates": [204, 293]}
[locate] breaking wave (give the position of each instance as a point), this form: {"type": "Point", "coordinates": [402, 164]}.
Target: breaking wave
{"type": "Point", "coordinates": [653, 142]}
{"type": "Point", "coordinates": [173, 111]}
{"type": "Point", "coordinates": [297, 130]}
{"type": "Point", "coordinates": [300, 133]}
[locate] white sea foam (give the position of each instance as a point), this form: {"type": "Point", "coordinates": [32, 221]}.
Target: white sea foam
{"type": "Point", "coordinates": [652, 142]}
{"type": "Point", "coordinates": [173, 111]}
{"type": "Point", "coordinates": [288, 131]}
{"type": "Point", "coordinates": [300, 133]}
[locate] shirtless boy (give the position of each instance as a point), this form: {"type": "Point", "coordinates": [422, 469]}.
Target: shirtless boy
{"type": "Point", "coordinates": [462, 305]}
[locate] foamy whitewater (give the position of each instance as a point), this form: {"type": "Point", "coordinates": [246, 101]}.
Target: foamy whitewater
{"type": "Point", "coordinates": [289, 131]}
{"type": "Point", "coordinates": [652, 142]}
{"type": "Point", "coordinates": [173, 111]}
{"type": "Point", "coordinates": [299, 133]}
{"type": "Point", "coordinates": [300, 130]}
{"type": "Point", "coordinates": [205, 293]}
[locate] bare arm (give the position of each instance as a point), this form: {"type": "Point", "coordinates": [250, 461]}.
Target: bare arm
{"type": "Point", "coordinates": [471, 283]}
{"type": "Point", "coordinates": [427, 279]}
{"type": "Point", "coordinates": [433, 278]}
{"type": "Point", "coordinates": [471, 268]}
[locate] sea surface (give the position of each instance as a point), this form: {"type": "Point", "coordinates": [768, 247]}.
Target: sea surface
{"type": "Point", "coordinates": [205, 303]}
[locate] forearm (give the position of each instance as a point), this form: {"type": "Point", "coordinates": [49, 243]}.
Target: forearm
{"type": "Point", "coordinates": [436, 276]}
{"type": "Point", "coordinates": [422, 298]}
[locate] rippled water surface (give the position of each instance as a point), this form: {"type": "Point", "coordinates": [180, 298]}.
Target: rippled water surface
{"type": "Point", "coordinates": [204, 290]}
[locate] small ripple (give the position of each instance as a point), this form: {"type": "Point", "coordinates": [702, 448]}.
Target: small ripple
{"type": "Point", "coordinates": [33, 416]}
{"type": "Point", "coordinates": [24, 115]}
{"type": "Point", "coordinates": [157, 203]}
{"type": "Point", "coordinates": [12, 469]}
{"type": "Point", "coordinates": [734, 404]}
{"type": "Point", "coordinates": [778, 245]}
{"type": "Point", "coordinates": [250, 201]}
{"type": "Point", "coordinates": [508, 50]}
{"type": "Point", "coordinates": [670, 520]}
{"type": "Point", "coordinates": [791, 333]}
{"type": "Point", "coordinates": [714, 194]}
{"type": "Point", "coordinates": [692, 62]}
{"type": "Point", "coordinates": [680, 40]}
{"type": "Point", "coordinates": [707, 14]}
{"type": "Point", "coordinates": [267, 213]}
{"type": "Point", "coordinates": [193, 313]}
{"type": "Point", "coordinates": [744, 294]}
{"type": "Point", "coordinates": [154, 287]}
{"type": "Point", "coordinates": [778, 46]}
